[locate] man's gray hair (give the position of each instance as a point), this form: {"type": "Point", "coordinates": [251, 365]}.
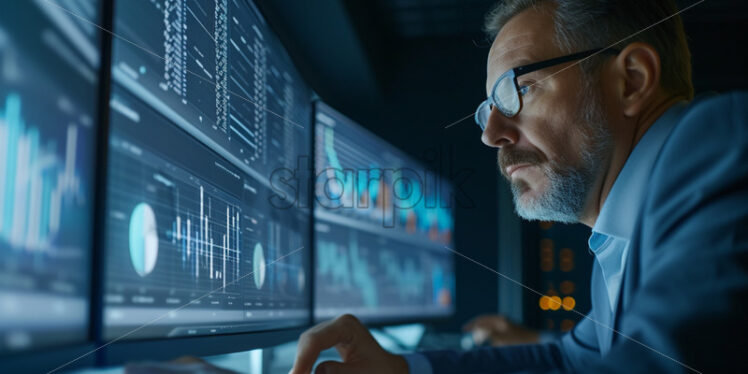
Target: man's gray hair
{"type": "Point", "coordinates": [586, 24]}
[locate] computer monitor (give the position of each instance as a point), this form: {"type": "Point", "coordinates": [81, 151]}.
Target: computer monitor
{"type": "Point", "coordinates": [49, 73]}
{"type": "Point", "coordinates": [201, 240]}
{"type": "Point", "coordinates": [382, 221]}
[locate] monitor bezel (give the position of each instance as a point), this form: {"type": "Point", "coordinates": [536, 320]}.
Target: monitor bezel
{"type": "Point", "coordinates": [75, 356]}
{"type": "Point", "coordinates": [116, 352]}
{"type": "Point", "coordinates": [81, 354]}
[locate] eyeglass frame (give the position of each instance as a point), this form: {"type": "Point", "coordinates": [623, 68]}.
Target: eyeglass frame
{"type": "Point", "coordinates": [529, 68]}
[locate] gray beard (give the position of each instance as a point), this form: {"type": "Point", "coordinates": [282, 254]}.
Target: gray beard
{"type": "Point", "coordinates": [569, 186]}
{"type": "Point", "coordinates": [563, 201]}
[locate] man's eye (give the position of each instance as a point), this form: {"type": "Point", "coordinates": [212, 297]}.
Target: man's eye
{"type": "Point", "coordinates": [524, 89]}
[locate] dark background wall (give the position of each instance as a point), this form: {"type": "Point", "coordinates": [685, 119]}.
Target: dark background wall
{"type": "Point", "coordinates": [407, 68]}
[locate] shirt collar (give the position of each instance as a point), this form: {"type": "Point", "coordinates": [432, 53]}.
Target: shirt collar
{"type": "Point", "coordinates": [621, 208]}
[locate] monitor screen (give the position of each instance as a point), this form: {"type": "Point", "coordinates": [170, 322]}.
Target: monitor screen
{"type": "Point", "coordinates": [382, 221]}
{"type": "Point", "coordinates": [49, 64]}
{"type": "Point", "coordinates": [206, 106]}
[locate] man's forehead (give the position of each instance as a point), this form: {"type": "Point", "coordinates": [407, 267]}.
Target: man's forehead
{"type": "Point", "coordinates": [526, 37]}
{"type": "Point", "coordinates": [513, 49]}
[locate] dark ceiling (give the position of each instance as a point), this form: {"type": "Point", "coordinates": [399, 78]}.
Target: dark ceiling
{"type": "Point", "coordinates": [353, 51]}
{"type": "Point", "coordinates": [424, 18]}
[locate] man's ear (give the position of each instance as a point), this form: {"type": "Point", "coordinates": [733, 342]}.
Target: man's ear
{"type": "Point", "coordinates": [638, 67]}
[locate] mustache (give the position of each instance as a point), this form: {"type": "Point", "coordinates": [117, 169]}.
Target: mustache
{"type": "Point", "coordinates": [513, 156]}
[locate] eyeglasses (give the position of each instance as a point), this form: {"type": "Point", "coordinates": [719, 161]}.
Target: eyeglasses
{"type": "Point", "coordinates": [506, 94]}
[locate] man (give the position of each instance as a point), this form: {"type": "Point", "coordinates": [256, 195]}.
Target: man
{"type": "Point", "coordinates": [611, 142]}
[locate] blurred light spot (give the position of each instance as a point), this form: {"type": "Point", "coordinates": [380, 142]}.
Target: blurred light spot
{"type": "Point", "coordinates": [566, 262]}
{"type": "Point", "coordinates": [546, 244]}
{"type": "Point", "coordinates": [546, 265]}
{"type": "Point", "coordinates": [567, 325]}
{"type": "Point", "coordinates": [544, 301]}
{"type": "Point", "coordinates": [546, 255]}
{"type": "Point", "coordinates": [569, 303]}
{"type": "Point", "coordinates": [546, 225]}
{"type": "Point", "coordinates": [555, 303]}
{"type": "Point", "coordinates": [567, 287]}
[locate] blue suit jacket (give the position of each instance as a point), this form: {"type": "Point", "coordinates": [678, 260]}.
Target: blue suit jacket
{"type": "Point", "coordinates": [683, 303]}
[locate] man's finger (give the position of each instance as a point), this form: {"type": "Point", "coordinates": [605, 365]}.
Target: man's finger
{"type": "Point", "coordinates": [473, 323]}
{"type": "Point", "coordinates": [477, 322]}
{"type": "Point", "coordinates": [319, 338]}
{"type": "Point", "coordinates": [480, 336]}
{"type": "Point", "coordinates": [332, 367]}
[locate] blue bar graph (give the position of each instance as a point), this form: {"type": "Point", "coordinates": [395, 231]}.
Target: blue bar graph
{"type": "Point", "coordinates": [358, 176]}
{"type": "Point", "coordinates": [36, 184]}
{"type": "Point", "coordinates": [379, 279]}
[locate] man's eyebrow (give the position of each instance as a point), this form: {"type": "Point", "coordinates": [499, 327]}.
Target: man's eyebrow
{"type": "Point", "coordinates": [524, 61]}
{"type": "Point", "coordinates": [523, 58]}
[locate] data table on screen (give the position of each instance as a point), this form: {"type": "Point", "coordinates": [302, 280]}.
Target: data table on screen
{"type": "Point", "coordinates": [216, 70]}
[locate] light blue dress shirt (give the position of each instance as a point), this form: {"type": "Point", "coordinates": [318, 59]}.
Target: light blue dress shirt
{"type": "Point", "coordinates": [614, 227]}
{"type": "Point", "coordinates": [615, 224]}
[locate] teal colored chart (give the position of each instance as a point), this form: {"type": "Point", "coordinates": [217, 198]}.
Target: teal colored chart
{"type": "Point", "coordinates": [143, 239]}
{"type": "Point", "coordinates": [258, 265]}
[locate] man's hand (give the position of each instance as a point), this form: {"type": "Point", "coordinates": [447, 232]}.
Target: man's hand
{"type": "Point", "coordinates": [361, 354]}
{"type": "Point", "coordinates": [499, 331]}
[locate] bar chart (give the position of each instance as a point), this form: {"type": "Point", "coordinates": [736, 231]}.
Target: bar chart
{"type": "Point", "coordinates": [36, 185]}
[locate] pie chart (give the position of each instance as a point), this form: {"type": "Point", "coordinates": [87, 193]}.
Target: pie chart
{"type": "Point", "coordinates": [258, 266]}
{"type": "Point", "coordinates": [143, 239]}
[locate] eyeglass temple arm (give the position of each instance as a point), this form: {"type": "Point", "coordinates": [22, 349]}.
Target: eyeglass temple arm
{"type": "Point", "coordinates": [525, 69]}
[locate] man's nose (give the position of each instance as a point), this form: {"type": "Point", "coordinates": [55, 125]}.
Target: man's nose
{"type": "Point", "coordinates": [500, 130]}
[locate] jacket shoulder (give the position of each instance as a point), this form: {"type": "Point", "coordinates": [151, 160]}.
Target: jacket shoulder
{"type": "Point", "coordinates": [705, 156]}
{"type": "Point", "coordinates": [712, 119]}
